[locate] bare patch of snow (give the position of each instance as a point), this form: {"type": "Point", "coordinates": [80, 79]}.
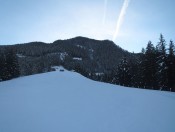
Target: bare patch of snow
{"type": "Point", "coordinates": [99, 74]}
{"type": "Point", "coordinates": [63, 55]}
{"type": "Point", "coordinates": [80, 46]}
{"type": "Point", "coordinates": [20, 56]}
{"type": "Point", "coordinates": [77, 58]}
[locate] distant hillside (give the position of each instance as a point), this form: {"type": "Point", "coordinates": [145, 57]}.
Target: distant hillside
{"type": "Point", "coordinates": [80, 54]}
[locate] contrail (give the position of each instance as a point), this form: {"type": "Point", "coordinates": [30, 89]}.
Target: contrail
{"type": "Point", "coordinates": [121, 17]}
{"type": "Point", "coordinates": [105, 9]}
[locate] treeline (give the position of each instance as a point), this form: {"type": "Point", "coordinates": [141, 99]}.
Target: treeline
{"type": "Point", "coordinates": [155, 68]}
{"type": "Point", "coordinates": [9, 67]}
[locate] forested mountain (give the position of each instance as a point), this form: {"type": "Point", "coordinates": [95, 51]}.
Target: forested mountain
{"type": "Point", "coordinates": [154, 68]}
{"type": "Point", "coordinates": [80, 54]}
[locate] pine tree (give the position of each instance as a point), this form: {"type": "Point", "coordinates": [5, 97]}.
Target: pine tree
{"type": "Point", "coordinates": [134, 70]}
{"type": "Point", "coordinates": [162, 64]}
{"type": "Point", "coordinates": [123, 76]}
{"type": "Point", "coordinates": [9, 65]}
{"type": "Point", "coordinates": [171, 67]}
{"type": "Point", "coordinates": [15, 66]}
{"type": "Point", "coordinates": [150, 67]}
{"type": "Point", "coordinates": [4, 73]}
{"type": "Point", "coordinates": [2, 62]}
{"type": "Point", "coordinates": [141, 69]}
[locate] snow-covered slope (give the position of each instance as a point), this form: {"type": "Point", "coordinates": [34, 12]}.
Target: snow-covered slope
{"type": "Point", "coordinates": [67, 102]}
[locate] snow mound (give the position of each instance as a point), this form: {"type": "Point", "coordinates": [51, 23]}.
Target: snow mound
{"type": "Point", "coordinates": [66, 101]}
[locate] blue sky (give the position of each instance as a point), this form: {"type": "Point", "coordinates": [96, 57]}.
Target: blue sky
{"type": "Point", "coordinates": [49, 20]}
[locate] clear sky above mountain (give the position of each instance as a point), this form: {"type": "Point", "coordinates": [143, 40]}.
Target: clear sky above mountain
{"type": "Point", "coordinates": [48, 20]}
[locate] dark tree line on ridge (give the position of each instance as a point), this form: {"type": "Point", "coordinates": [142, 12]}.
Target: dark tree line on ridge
{"type": "Point", "coordinates": [153, 68]}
